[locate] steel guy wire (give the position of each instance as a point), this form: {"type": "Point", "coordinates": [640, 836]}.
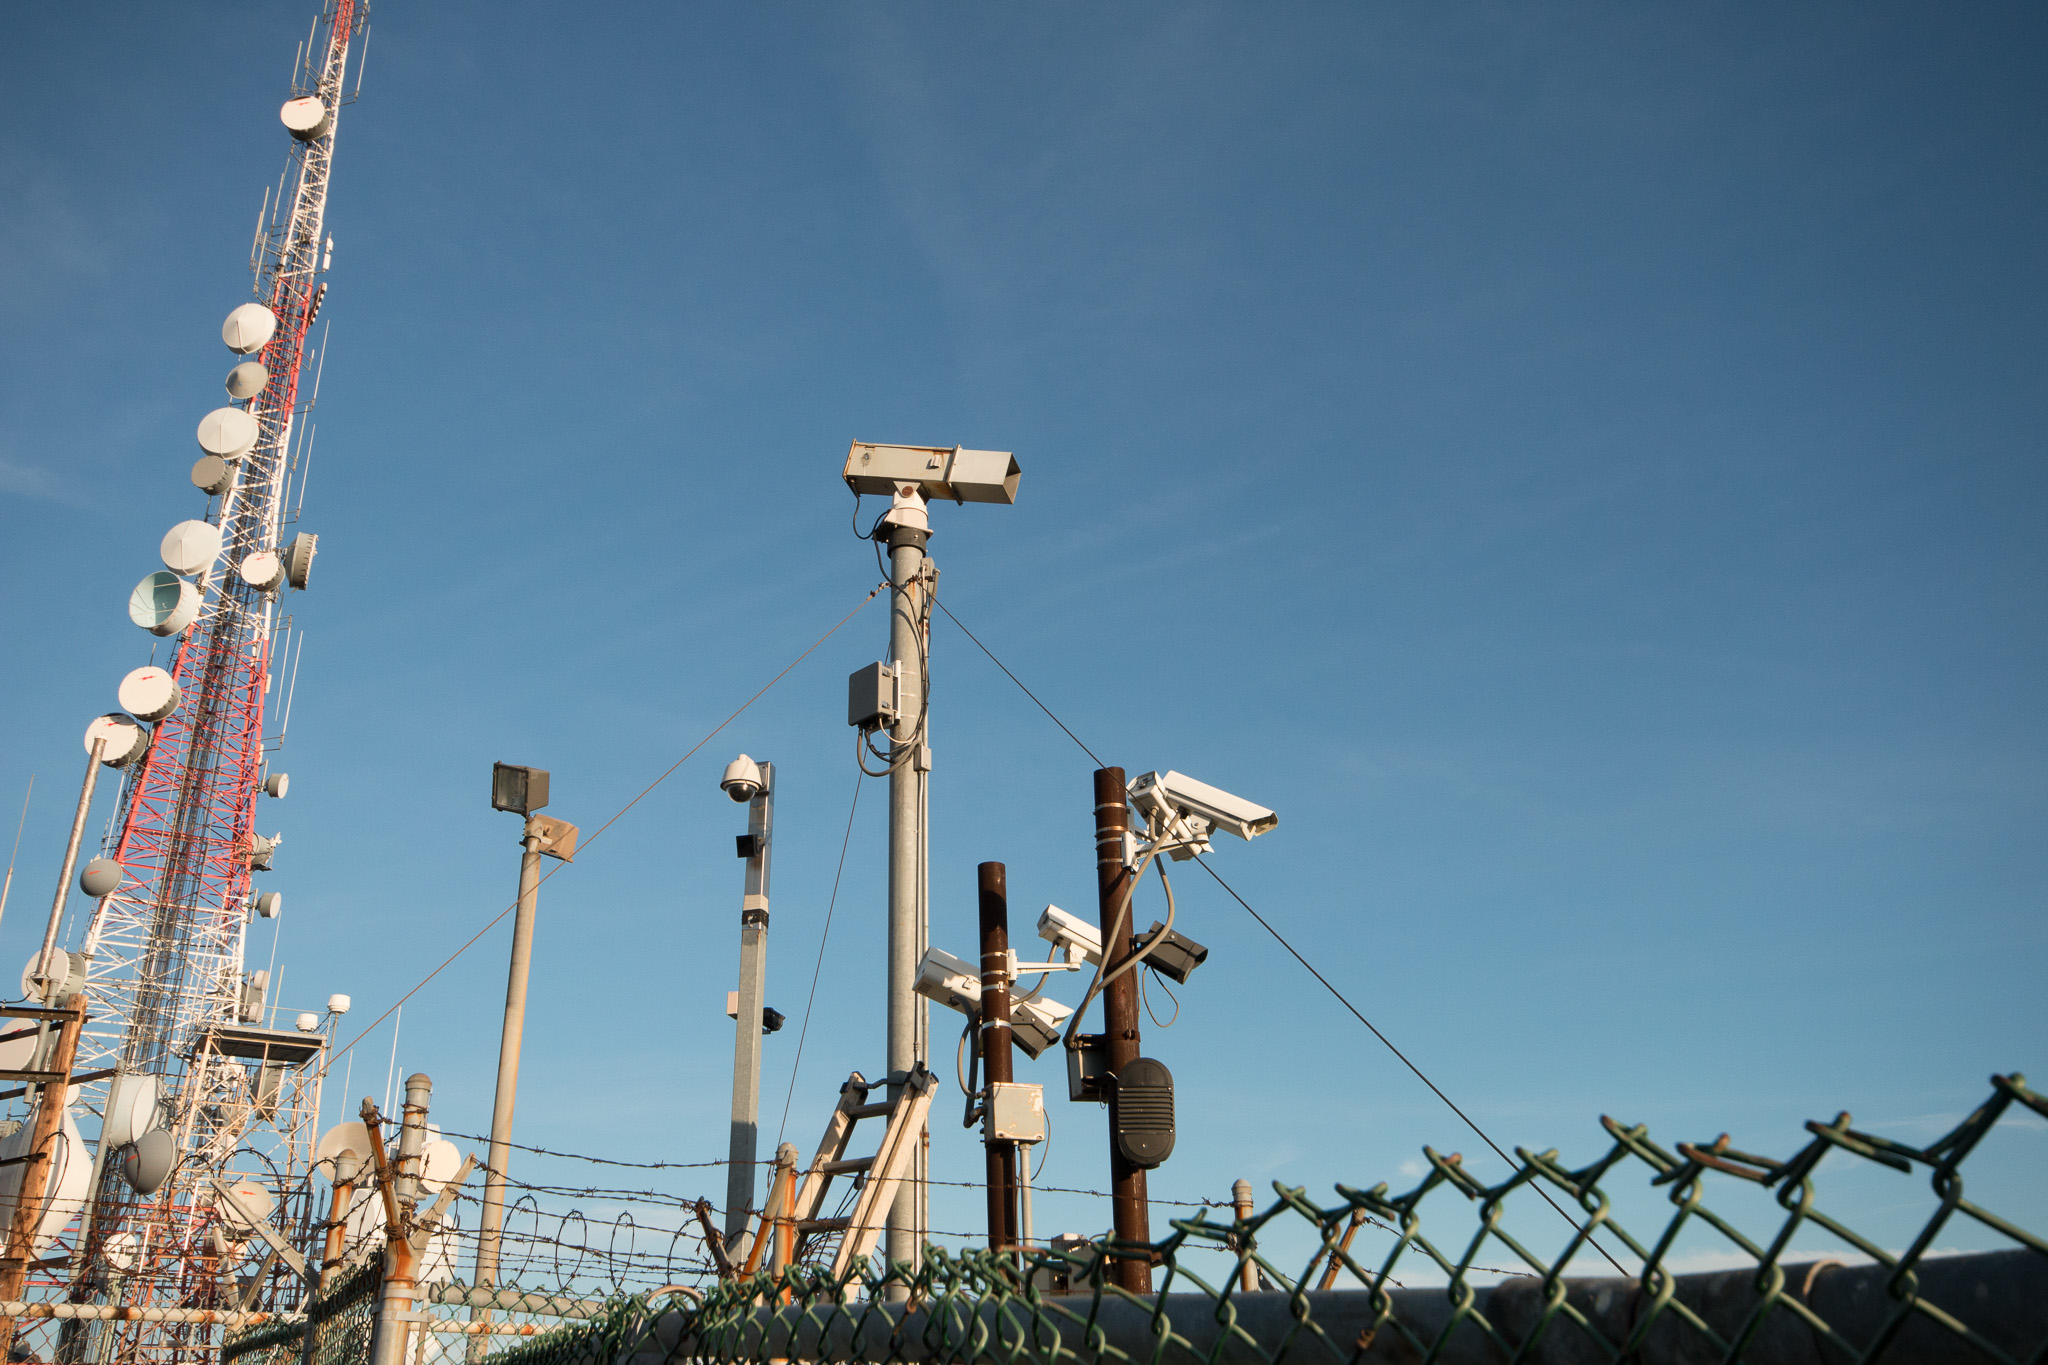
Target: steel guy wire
{"type": "Point", "coordinates": [1124, 908]}
{"type": "Point", "coordinates": [1404, 1058]}
{"type": "Point", "coordinates": [824, 936]}
{"type": "Point", "coordinates": [1015, 679]}
{"type": "Point", "coordinates": [591, 838]}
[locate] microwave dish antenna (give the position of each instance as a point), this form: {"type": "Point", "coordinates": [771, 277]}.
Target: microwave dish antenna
{"type": "Point", "coordinates": [163, 604]}
{"type": "Point", "coordinates": [137, 1109]}
{"type": "Point", "coordinates": [247, 379]}
{"type": "Point", "coordinates": [124, 740]}
{"type": "Point", "coordinates": [100, 877]}
{"type": "Point", "coordinates": [228, 432]}
{"type": "Point", "coordinates": [149, 694]}
{"type": "Point", "coordinates": [249, 329]}
{"type": "Point", "coordinates": [190, 547]}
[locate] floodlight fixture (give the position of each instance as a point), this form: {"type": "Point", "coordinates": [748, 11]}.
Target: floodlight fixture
{"type": "Point", "coordinates": [519, 790]}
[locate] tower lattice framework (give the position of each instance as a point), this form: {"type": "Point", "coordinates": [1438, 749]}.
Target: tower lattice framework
{"type": "Point", "coordinates": [166, 981]}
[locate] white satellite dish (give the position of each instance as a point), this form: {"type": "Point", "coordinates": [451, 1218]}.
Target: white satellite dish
{"type": "Point", "coordinates": [69, 1179]}
{"type": "Point", "coordinates": [100, 877]}
{"type": "Point", "coordinates": [190, 547]}
{"type": "Point", "coordinates": [277, 784]}
{"type": "Point", "coordinates": [440, 1159]}
{"type": "Point", "coordinates": [247, 379]}
{"type": "Point", "coordinates": [228, 433]}
{"type": "Point", "coordinates": [212, 475]}
{"type": "Point", "coordinates": [248, 327]}
{"type": "Point", "coordinates": [19, 1052]}
{"type": "Point", "coordinates": [149, 694]}
{"type": "Point", "coordinates": [263, 570]}
{"type": "Point", "coordinates": [298, 558]}
{"type": "Point", "coordinates": [67, 971]}
{"type": "Point", "coordinates": [305, 118]}
{"type": "Point", "coordinates": [122, 1252]}
{"type": "Point", "coordinates": [146, 1163]}
{"type": "Point", "coordinates": [270, 904]}
{"type": "Point", "coordinates": [163, 604]}
{"type": "Point", "coordinates": [137, 1109]}
{"type": "Point", "coordinates": [125, 740]}
{"type": "Point", "coordinates": [351, 1137]}
{"type": "Point", "coordinates": [252, 1204]}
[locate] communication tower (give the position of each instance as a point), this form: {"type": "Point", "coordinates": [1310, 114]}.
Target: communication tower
{"type": "Point", "coordinates": [178, 1022]}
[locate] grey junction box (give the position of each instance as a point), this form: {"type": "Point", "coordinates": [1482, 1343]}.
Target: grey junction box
{"type": "Point", "coordinates": [871, 700]}
{"type": "Point", "coordinates": [1016, 1112]}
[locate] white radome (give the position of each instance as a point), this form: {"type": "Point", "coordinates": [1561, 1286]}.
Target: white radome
{"type": "Point", "coordinates": [248, 328]}
{"type": "Point", "coordinates": [149, 694]}
{"type": "Point", "coordinates": [190, 547]}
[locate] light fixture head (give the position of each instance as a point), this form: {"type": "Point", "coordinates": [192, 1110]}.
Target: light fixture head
{"type": "Point", "coordinates": [520, 790]}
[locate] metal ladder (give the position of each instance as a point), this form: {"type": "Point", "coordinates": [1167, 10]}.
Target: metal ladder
{"type": "Point", "coordinates": [881, 1175]}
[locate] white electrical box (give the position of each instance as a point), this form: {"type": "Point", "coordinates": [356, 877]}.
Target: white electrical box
{"type": "Point", "coordinates": [1016, 1112]}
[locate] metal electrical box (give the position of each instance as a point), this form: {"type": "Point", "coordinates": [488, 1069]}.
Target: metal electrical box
{"type": "Point", "coordinates": [1016, 1112]}
{"type": "Point", "coordinates": [871, 697]}
{"type": "Point", "coordinates": [1087, 1068]}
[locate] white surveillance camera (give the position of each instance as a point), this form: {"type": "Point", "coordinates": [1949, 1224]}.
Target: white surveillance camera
{"type": "Point", "coordinates": [946, 980]}
{"type": "Point", "coordinates": [1072, 934]}
{"type": "Point", "coordinates": [1172, 795]}
{"type": "Point", "coordinates": [742, 780]}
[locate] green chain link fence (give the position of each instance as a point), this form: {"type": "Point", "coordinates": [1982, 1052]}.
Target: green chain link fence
{"type": "Point", "coordinates": [1501, 1299]}
{"type": "Point", "coordinates": [338, 1321]}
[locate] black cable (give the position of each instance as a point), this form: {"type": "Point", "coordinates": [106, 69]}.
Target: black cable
{"type": "Point", "coordinates": [830, 905]}
{"type": "Point", "coordinates": [1014, 678]}
{"type": "Point", "coordinates": [1405, 1062]}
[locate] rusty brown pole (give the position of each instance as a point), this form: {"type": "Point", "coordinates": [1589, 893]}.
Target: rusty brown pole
{"type": "Point", "coordinates": [1241, 1205]}
{"type": "Point", "coordinates": [346, 1167]}
{"type": "Point", "coordinates": [992, 881]}
{"type": "Point", "coordinates": [35, 1180]}
{"type": "Point", "coordinates": [1130, 1213]}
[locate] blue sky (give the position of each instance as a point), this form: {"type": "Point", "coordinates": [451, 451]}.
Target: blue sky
{"type": "Point", "coordinates": [1583, 468]}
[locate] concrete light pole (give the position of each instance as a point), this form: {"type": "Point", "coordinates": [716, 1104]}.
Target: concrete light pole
{"type": "Point", "coordinates": [523, 791]}
{"type": "Point", "coordinates": [754, 783]}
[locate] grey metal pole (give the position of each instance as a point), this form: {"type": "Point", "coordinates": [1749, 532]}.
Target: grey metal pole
{"type": "Point", "coordinates": [92, 777]}
{"type": "Point", "coordinates": [746, 1049]}
{"type": "Point", "coordinates": [493, 1220]}
{"type": "Point", "coordinates": [906, 865]}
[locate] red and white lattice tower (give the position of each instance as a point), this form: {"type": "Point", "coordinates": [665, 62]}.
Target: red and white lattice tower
{"type": "Point", "coordinates": [169, 994]}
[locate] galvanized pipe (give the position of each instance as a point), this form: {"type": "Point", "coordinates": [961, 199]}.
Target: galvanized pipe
{"type": "Point", "coordinates": [492, 1221]}
{"type": "Point", "coordinates": [92, 777]}
{"type": "Point", "coordinates": [906, 863]}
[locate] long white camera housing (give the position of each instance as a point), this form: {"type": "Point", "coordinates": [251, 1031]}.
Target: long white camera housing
{"type": "Point", "coordinates": [1071, 934]}
{"type": "Point", "coordinates": [945, 980]}
{"type": "Point", "coordinates": [1169, 795]}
